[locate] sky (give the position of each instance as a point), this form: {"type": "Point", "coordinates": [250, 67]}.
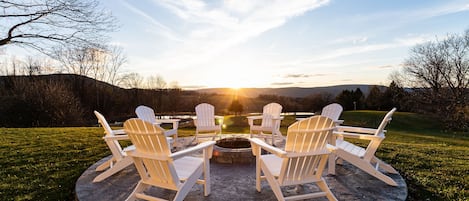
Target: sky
{"type": "Point", "coordinates": [277, 43]}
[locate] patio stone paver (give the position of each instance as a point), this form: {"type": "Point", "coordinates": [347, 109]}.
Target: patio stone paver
{"type": "Point", "coordinates": [232, 182]}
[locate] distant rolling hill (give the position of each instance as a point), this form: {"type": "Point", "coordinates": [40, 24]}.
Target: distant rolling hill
{"type": "Point", "coordinates": [296, 92]}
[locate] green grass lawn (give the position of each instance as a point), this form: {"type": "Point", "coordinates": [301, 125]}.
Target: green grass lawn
{"type": "Point", "coordinates": [44, 163]}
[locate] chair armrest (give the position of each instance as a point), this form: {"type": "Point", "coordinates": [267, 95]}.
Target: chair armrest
{"type": "Point", "coordinates": [352, 129]}
{"type": "Point", "coordinates": [358, 136]}
{"type": "Point", "coordinates": [261, 144]}
{"type": "Point", "coordinates": [278, 118]}
{"type": "Point", "coordinates": [338, 122]}
{"type": "Point", "coordinates": [119, 132]}
{"type": "Point", "coordinates": [116, 137]}
{"type": "Point", "coordinates": [191, 150]}
{"type": "Point", "coordinates": [252, 118]}
{"type": "Point", "coordinates": [175, 122]}
{"type": "Point", "coordinates": [331, 148]}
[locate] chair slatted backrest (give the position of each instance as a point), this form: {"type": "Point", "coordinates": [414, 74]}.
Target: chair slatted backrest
{"type": "Point", "coordinates": [113, 145]}
{"type": "Point", "coordinates": [308, 135]}
{"type": "Point", "coordinates": [149, 140]}
{"type": "Point", "coordinates": [374, 144]}
{"type": "Point", "coordinates": [332, 111]}
{"type": "Point", "coordinates": [146, 113]}
{"type": "Point", "coordinates": [269, 112]}
{"type": "Point", "coordinates": [205, 115]}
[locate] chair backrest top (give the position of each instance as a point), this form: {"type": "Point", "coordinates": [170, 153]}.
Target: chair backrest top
{"type": "Point", "coordinates": [205, 114]}
{"type": "Point", "coordinates": [309, 134]}
{"type": "Point", "coordinates": [113, 145]}
{"type": "Point", "coordinates": [150, 140]}
{"type": "Point", "coordinates": [270, 111]}
{"type": "Point", "coordinates": [386, 120]}
{"type": "Point", "coordinates": [104, 123]}
{"type": "Point", "coordinates": [332, 111]}
{"type": "Point", "coordinates": [146, 113]}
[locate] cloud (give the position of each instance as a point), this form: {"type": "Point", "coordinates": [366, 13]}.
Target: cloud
{"type": "Point", "coordinates": [211, 28]}
{"type": "Point", "coordinates": [303, 75]}
{"type": "Point", "coordinates": [281, 83]}
{"type": "Point", "coordinates": [448, 9]}
{"type": "Point", "coordinates": [353, 40]}
{"type": "Point", "coordinates": [193, 87]}
{"type": "Point", "coordinates": [163, 30]}
{"type": "Point", "coordinates": [384, 67]}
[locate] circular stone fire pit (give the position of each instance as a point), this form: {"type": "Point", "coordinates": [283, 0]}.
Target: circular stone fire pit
{"type": "Point", "coordinates": [233, 150]}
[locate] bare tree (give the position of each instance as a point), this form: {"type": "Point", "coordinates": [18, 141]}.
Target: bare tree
{"type": "Point", "coordinates": [115, 60]}
{"type": "Point", "coordinates": [33, 66]}
{"type": "Point", "coordinates": [442, 66]}
{"type": "Point", "coordinates": [99, 63]}
{"type": "Point", "coordinates": [131, 80]}
{"type": "Point", "coordinates": [42, 24]}
{"type": "Point", "coordinates": [156, 82]}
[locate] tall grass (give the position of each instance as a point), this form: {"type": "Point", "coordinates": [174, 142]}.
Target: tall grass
{"type": "Point", "coordinates": [44, 163]}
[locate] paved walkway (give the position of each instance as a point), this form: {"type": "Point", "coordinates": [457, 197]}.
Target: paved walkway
{"type": "Point", "coordinates": [233, 182]}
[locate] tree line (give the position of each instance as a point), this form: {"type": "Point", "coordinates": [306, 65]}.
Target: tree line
{"type": "Point", "coordinates": [69, 100]}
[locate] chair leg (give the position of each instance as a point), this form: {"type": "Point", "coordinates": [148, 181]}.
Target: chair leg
{"type": "Point", "coordinates": [105, 165]}
{"type": "Point", "coordinates": [274, 185]}
{"type": "Point", "coordinates": [116, 168]}
{"type": "Point", "coordinates": [138, 189]}
{"type": "Point", "coordinates": [323, 186]}
{"type": "Point", "coordinates": [365, 166]}
{"type": "Point", "coordinates": [258, 174]}
{"type": "Point", "coordinates": [386, 167]}
{"type": "Point", "coordinates": [206, 173]}
{"type": "Point", "coordinates": [188, 184]}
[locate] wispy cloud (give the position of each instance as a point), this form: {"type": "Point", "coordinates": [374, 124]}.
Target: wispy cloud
{"type": "Point", "coordinates": [303, 75]}
{"type": "Point", "coordinates": [382, 67]}
{"type": "Point", "coordinates": [213, 28]}
{"type": "Point", "coordinates": [351, 39]}
{"type": "Point", "coordinates": [281, 83]}
{"type": "Point", "coordinates": [162, 29]}
{"type": "Point", "coordinates": [449, 8]}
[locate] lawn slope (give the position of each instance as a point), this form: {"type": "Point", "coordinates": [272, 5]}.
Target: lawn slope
{"type": "Point", "coordinates": [44, 163]}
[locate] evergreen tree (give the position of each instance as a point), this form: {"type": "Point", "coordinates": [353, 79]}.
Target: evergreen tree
{"type": "Point", "coordinates": [236, 107]}
{"type": "Point", "coordinates": [374, 99]}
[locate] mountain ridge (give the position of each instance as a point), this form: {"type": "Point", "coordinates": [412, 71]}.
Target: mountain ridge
{"type": "Point", "coordinates": [296, 92]}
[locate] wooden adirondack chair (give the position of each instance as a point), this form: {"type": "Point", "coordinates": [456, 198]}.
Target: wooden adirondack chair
{"type": "Point", "coordinates": [360, 157]}
{"type": "Point", "coordinates": [302, 161]}
{"type": "Point", "coordinates": [148, 114]}
{"type": "Point", "coordinates": [158, 167]}
{"type": "Point", "coordinates": [119, 158]}
{"type": "Point", "coordinates": [205, 121]}
{"type": "Point", "coordinates": [270, 125]}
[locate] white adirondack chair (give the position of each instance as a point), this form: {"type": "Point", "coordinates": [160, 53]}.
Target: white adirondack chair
{"type": "Point", "coordinates": [158, 167]}
{"type": "Point", "coordinates": [205, 121]}
{"type": "Point", "coordinates": [360, 157]}
{"type": "Point", "coordinates": [119, 158]}
{"type": "Point", "coordinates": [302, 161]}
{"type": "Point", "coordinates": [270, 125]}
{"type": "Point", "coordinates": [148, 114]}
{"type": "Point", "coordinates": [332, 111]}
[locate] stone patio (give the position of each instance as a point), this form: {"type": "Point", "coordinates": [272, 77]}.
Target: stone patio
{"type": "Point", "coordinates": [232, 182]}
